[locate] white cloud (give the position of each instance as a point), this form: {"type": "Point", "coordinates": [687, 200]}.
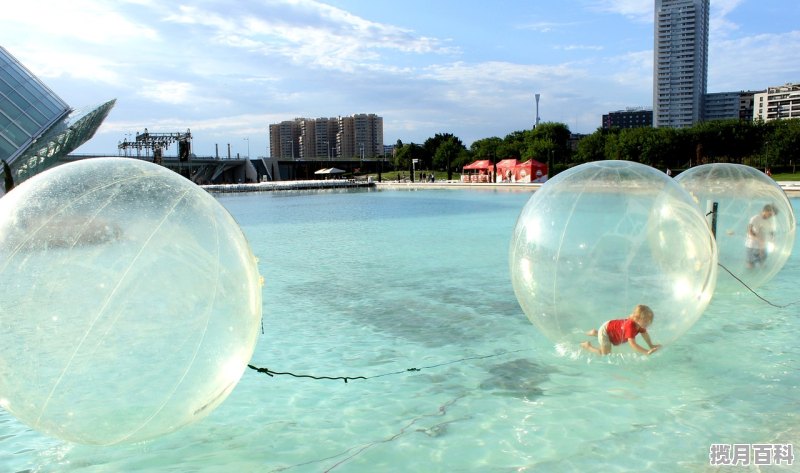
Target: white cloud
{"type": "Point", "coordinates": [579, 47]}
{"type": "Point", "coordinates": [313, 34]}
{"type": "Point", "coordinates": [634, 70]}
{"type": "Point", "coordinates": [754, 62]}
{"type": "Point", "coordinates": [546, 26]}
{"type": "Point", "coordinates": [84, 20]}
{"type": "Point", "coordinates": [720, 25]}
{"type": "Point", "coordinates": [637, 10]}
{"type": "Point", "coordinates": [172, 92]}
{"type": "Point", "coordinates": [497, 72]}
{"type": "Point", "coordinates": [46, 65]}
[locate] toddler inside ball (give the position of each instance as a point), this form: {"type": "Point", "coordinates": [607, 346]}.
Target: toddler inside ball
{"type": "Point", "coordinates": [130, 302]}
{"type": "Point", "coordinates": [603, 237]}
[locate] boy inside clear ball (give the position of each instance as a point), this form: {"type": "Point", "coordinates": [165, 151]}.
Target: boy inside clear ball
{"type": "Point", "coordinates": [617, 331]}
{"type": "Point", "coordinates": [760, 233]}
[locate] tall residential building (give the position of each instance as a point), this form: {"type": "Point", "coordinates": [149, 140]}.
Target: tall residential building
{"type": "Point", "coordinates": [680, 65]}
{"type": "Point", "coordinates": [37, 128]}
{"type": "Point", "coordinates": [284, 139]}
{"type": "Point", "coordinates": [777, 102]}
{"type": "Point", "coordinates": [353, 137]}
{"type": "Point", "coordinates": [325, 131]}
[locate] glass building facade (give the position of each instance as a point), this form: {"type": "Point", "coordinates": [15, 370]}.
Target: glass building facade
{"type": "Point", "coordinates": [37, 127]}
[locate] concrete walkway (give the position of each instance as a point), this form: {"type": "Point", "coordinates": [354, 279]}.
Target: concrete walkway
{"type": "Point", "coordinates": [792, 188]}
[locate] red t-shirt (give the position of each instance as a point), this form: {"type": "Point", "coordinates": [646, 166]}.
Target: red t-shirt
{"type": "Point", "coordinates": [621, 330]}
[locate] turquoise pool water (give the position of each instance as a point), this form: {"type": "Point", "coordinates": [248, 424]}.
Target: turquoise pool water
{"type": "Point", "coordinates": [375, 282]}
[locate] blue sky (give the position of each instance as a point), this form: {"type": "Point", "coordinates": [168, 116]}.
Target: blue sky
{"type": "Point", "coordinates": [226, 70]}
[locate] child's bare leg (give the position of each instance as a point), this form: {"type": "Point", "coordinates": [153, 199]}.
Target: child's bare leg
{"type": "Point", "coordinates": [592, 332]}
{"type": "Point", "coordinates": [600, 351]}
{"type": "Point", "coordinates": [589, 347]}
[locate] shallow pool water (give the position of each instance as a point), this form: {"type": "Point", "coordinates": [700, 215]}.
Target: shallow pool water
{"type": "Point", "coordinates": [374, 283]}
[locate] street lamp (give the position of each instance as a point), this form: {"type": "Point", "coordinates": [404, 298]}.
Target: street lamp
{"type": "Point", "coordinates": [328, 146]}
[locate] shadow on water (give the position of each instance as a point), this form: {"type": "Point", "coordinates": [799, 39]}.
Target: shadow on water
{"type": "Point", "coordinates": [517, 378]}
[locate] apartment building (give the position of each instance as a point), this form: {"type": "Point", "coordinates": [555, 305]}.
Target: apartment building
{"type": "Point", "coordinates": [680, 65]}
{"type": "Point", "coordinates": [778, 102]}
{"type": "Point", "coordinates": [358, 136]}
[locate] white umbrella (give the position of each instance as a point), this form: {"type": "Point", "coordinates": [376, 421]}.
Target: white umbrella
{"type": "Point", "coordinates": [329, 171]}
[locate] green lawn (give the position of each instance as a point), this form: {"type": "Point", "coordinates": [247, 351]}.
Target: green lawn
{"type": "Point", "coordinates": [786, 176]}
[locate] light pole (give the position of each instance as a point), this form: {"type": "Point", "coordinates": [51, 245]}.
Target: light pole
{"type": "Point", "coordinates": [328, 146]}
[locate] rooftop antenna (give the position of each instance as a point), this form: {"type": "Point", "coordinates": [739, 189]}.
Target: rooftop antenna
{"type": "Point", "coordinates": [536, 124]}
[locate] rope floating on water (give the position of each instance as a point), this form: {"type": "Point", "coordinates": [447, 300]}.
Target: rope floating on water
{"type": "Point", "coordinates": [271, 373]}
{"type": "Point", "coordinates": [754, 292]}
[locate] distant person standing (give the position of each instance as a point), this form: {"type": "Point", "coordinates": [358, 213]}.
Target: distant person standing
{"type": "Point", "coordinates": [669, 172]}
{"type": "Point", "coordinates": [760, 232]}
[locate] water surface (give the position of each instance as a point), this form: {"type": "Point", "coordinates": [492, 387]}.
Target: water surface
{"type": "Point", "coordinates": [372, 283]}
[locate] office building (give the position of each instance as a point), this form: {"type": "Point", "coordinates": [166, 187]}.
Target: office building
{"type": "Point", "coordinates": [680, 65]}
{"type": "Point", "coordinates": [728, 106]}
{"type": "Point", "coordinates": [629, 118]}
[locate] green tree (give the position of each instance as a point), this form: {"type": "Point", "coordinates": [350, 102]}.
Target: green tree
{"type": "Point", "coordinates": [488, 148]}
{"type": "Point", "coordinates": [447, 154]}
{"type": "Point", "coordinates": [408, 152]}
{"type": "Point", "coordinates": [591, 148]}
{"type": "Point", "coordinates": [781, 145]}
{"type": "Point", "coordinates": [432, 144]}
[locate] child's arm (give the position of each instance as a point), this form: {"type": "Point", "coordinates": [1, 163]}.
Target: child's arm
{"type": "Point", "coordinates": [639, 348]}
{"type": "Point", "coordinates": [636, 346]}
{"type": "Point", "coordinates": [646, 337]}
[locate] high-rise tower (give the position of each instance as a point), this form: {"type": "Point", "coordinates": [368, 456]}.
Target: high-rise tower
{"type": "Point", "coordinates": [680, 63]}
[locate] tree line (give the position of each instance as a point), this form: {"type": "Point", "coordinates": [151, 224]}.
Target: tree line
{"type": "Point", "coordinates": [774, 144]}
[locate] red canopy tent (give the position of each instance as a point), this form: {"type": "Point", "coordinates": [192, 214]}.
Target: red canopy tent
{"type": "Point", "coordinates": [477, 171]}
{"type": "Point", "coordinates": [530, 171]}
{"type": "Point", "coordinates": [505, 170]}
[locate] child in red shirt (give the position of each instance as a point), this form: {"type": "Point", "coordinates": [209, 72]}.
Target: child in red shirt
{"type": "Point", "coordinates": [615, 332]}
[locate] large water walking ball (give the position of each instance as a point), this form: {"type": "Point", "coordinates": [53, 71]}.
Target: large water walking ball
{"type": "Point", "coordinates": [130, 302]}
{"type": "Point", "coordinates": [754, 221]}
{"type": "Point", "coordinates": [602, 237]}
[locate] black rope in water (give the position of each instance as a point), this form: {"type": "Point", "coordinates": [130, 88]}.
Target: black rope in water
{"type": "Point", "coordinates": [271, 373]}
{"type": "Point", "coordinates": [754, 292]}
